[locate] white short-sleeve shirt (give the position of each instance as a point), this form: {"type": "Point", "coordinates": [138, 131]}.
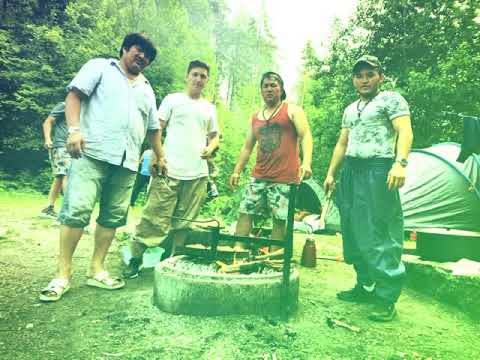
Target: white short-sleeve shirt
{"type": "Point", "coordinates": [188, 122]}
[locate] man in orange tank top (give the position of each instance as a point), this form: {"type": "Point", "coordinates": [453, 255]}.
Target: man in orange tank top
{"type": "Point", "coordinates": [278, 128]}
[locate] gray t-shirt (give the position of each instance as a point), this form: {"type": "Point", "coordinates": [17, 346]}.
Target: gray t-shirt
{"type": "Point", "coordinates": [60, 131]}
{"type": "Point", "coordinates": [371, 133]}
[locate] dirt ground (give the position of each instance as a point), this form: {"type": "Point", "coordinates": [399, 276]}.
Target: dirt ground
{"type": "Point", "coordinates": [92, 323]}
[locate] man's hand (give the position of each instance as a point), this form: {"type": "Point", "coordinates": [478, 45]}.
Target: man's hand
{"type": "Point", "coordinates": [305, 172]}
{"type": "Point", "coordinates": [396, 176]}
{"type": "Point", "coordinates": [75, 144]}
{"type": "Point", "coordinates": [206, 152]}
{"type": "Point", "coordinates": [159, 167]}
{"type": "Point", "coordinates": [329, 184]}
{"type": "Point", "coordinates": [234, 178]}
{"type": "Point", "coordinates": [48, 144]}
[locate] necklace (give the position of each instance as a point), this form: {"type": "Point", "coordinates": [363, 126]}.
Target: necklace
{"type": "Point", "coordinates": [272, 114]}
{"type": "Point", "coordinates": [359, 111]}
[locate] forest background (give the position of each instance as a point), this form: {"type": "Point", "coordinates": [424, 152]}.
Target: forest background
{"type": "Point", "coordinates": [430, 50]}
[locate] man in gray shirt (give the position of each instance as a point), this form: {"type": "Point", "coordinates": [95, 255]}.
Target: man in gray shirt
{"type": "Point", "coordinates": [59, 157]}
{"type": "Point", "coordinates": [110, 108]}
{"type": "Point", "coordinates": [374, 144]}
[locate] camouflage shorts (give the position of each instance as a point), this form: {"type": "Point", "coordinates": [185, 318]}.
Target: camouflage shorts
{"type": "Point", "coordinates": [60, 160]}
{"type": "Point", "coordinates": [265, 197]}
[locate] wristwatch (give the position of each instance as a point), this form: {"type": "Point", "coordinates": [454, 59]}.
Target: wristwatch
{"type": "Point", "coordinates": [73, 129]}
{"type": "Point", "coordinates": [402, 162]}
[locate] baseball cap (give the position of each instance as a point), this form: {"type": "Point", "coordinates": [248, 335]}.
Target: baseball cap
{"type": "Point", "coordinates": [367, 59]}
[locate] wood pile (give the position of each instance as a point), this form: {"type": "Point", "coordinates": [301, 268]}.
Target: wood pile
{"type": "Point", "coordinates": [253, 264]}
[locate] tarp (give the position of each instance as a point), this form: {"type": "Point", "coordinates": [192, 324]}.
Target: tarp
{"type": "Point", "coordinates": [439, 192]}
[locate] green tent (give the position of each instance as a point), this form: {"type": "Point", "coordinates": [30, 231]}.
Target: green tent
{"type": "Point", "coordinates": [439, 191]}
{"type": "Point", "coordinates": [311, 197]}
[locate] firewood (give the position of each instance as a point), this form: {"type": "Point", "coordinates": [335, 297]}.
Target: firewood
{"type": "Point", "coordinates": [275, 254]}
{"type": "Point", "coordinates": [250, 266]}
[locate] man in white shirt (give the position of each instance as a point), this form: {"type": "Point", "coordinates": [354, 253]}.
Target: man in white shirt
{"type": "Point", "coordinates": [179, 187]}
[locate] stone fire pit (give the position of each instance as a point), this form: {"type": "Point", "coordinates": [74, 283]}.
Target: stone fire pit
{"type": "Point", "coordinates": [185, 286]}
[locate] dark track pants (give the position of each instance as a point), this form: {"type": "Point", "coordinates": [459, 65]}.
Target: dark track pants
{"type": "Point", "coordinates": [140, 183]}
{"type": "Point", "coordinates": [372, 225]}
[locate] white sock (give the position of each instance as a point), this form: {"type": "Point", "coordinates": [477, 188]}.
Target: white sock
{"type": "Point", "coordinates": [369, 288]}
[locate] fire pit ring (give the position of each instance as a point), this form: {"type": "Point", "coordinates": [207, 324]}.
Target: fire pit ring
{"type": "Point", "coordinates": [179, 289]}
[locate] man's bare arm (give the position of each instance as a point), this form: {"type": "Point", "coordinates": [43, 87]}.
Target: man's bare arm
{"type": "Point", "coordinates": [305, 136]}
{"type": "Point", "coordinates": [243, 158]}
{"type": "Point", "coordinates": [158, 164]}
{"type": "Point", "coordinates": [397, 174]}
{"type": "Point", "coordinates": [47, 131]}
{"type": "Point", "coordinates": [213, 143]}
{"type": "Point", "coordinates": [75, 141]}
{"type": "Point", "coordinates": [403, 126]}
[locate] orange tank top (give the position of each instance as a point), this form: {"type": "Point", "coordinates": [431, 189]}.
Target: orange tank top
{"type": "Point", "coordinates": [278, 157]}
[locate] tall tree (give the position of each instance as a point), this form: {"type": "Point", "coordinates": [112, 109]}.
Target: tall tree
{"type": "Point", "coordinates": [429, 49]}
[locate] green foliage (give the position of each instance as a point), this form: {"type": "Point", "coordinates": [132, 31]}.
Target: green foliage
{"type": "Point", "coordinates": [26, 181]}
{"type": "Point", "coordinates": [46, 43]}
{"type": "Point", "coordinates": [224, 207]}
{"type": "Point", "coordinates": [430, 52]}
{"type": "Point", "coordinates": [41, 55]}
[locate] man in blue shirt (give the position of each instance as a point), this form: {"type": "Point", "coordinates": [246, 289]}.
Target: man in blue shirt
{"type": "Point", "coordinates": [110, 108]}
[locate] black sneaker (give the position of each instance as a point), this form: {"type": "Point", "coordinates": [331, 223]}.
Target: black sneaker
{"type": "Point", "coordinates": [358, 294]}
{"type": "Point", "coordinates": [133, 268]}
{"type": "Point", "coordinates": [49, 212]}
{"type": "Point", "coordinates": [383, 313]}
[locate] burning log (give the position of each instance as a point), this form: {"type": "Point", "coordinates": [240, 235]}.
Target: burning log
{"type": "Point", "coordinates": [250, 266]}
{"type": "Point", "coordinates": [273, 255]}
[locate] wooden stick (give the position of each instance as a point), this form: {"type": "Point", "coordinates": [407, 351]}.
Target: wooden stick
{"type": "Point", "coordinates": [332, 258]}
{"type": "Point", "coordinates": [323, 215]}
{"type": "Point", "coordinates": [331, 322]}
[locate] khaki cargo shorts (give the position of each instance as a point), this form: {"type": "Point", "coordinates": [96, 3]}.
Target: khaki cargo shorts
{"type": "Point", "coordinates": [169, 201]}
